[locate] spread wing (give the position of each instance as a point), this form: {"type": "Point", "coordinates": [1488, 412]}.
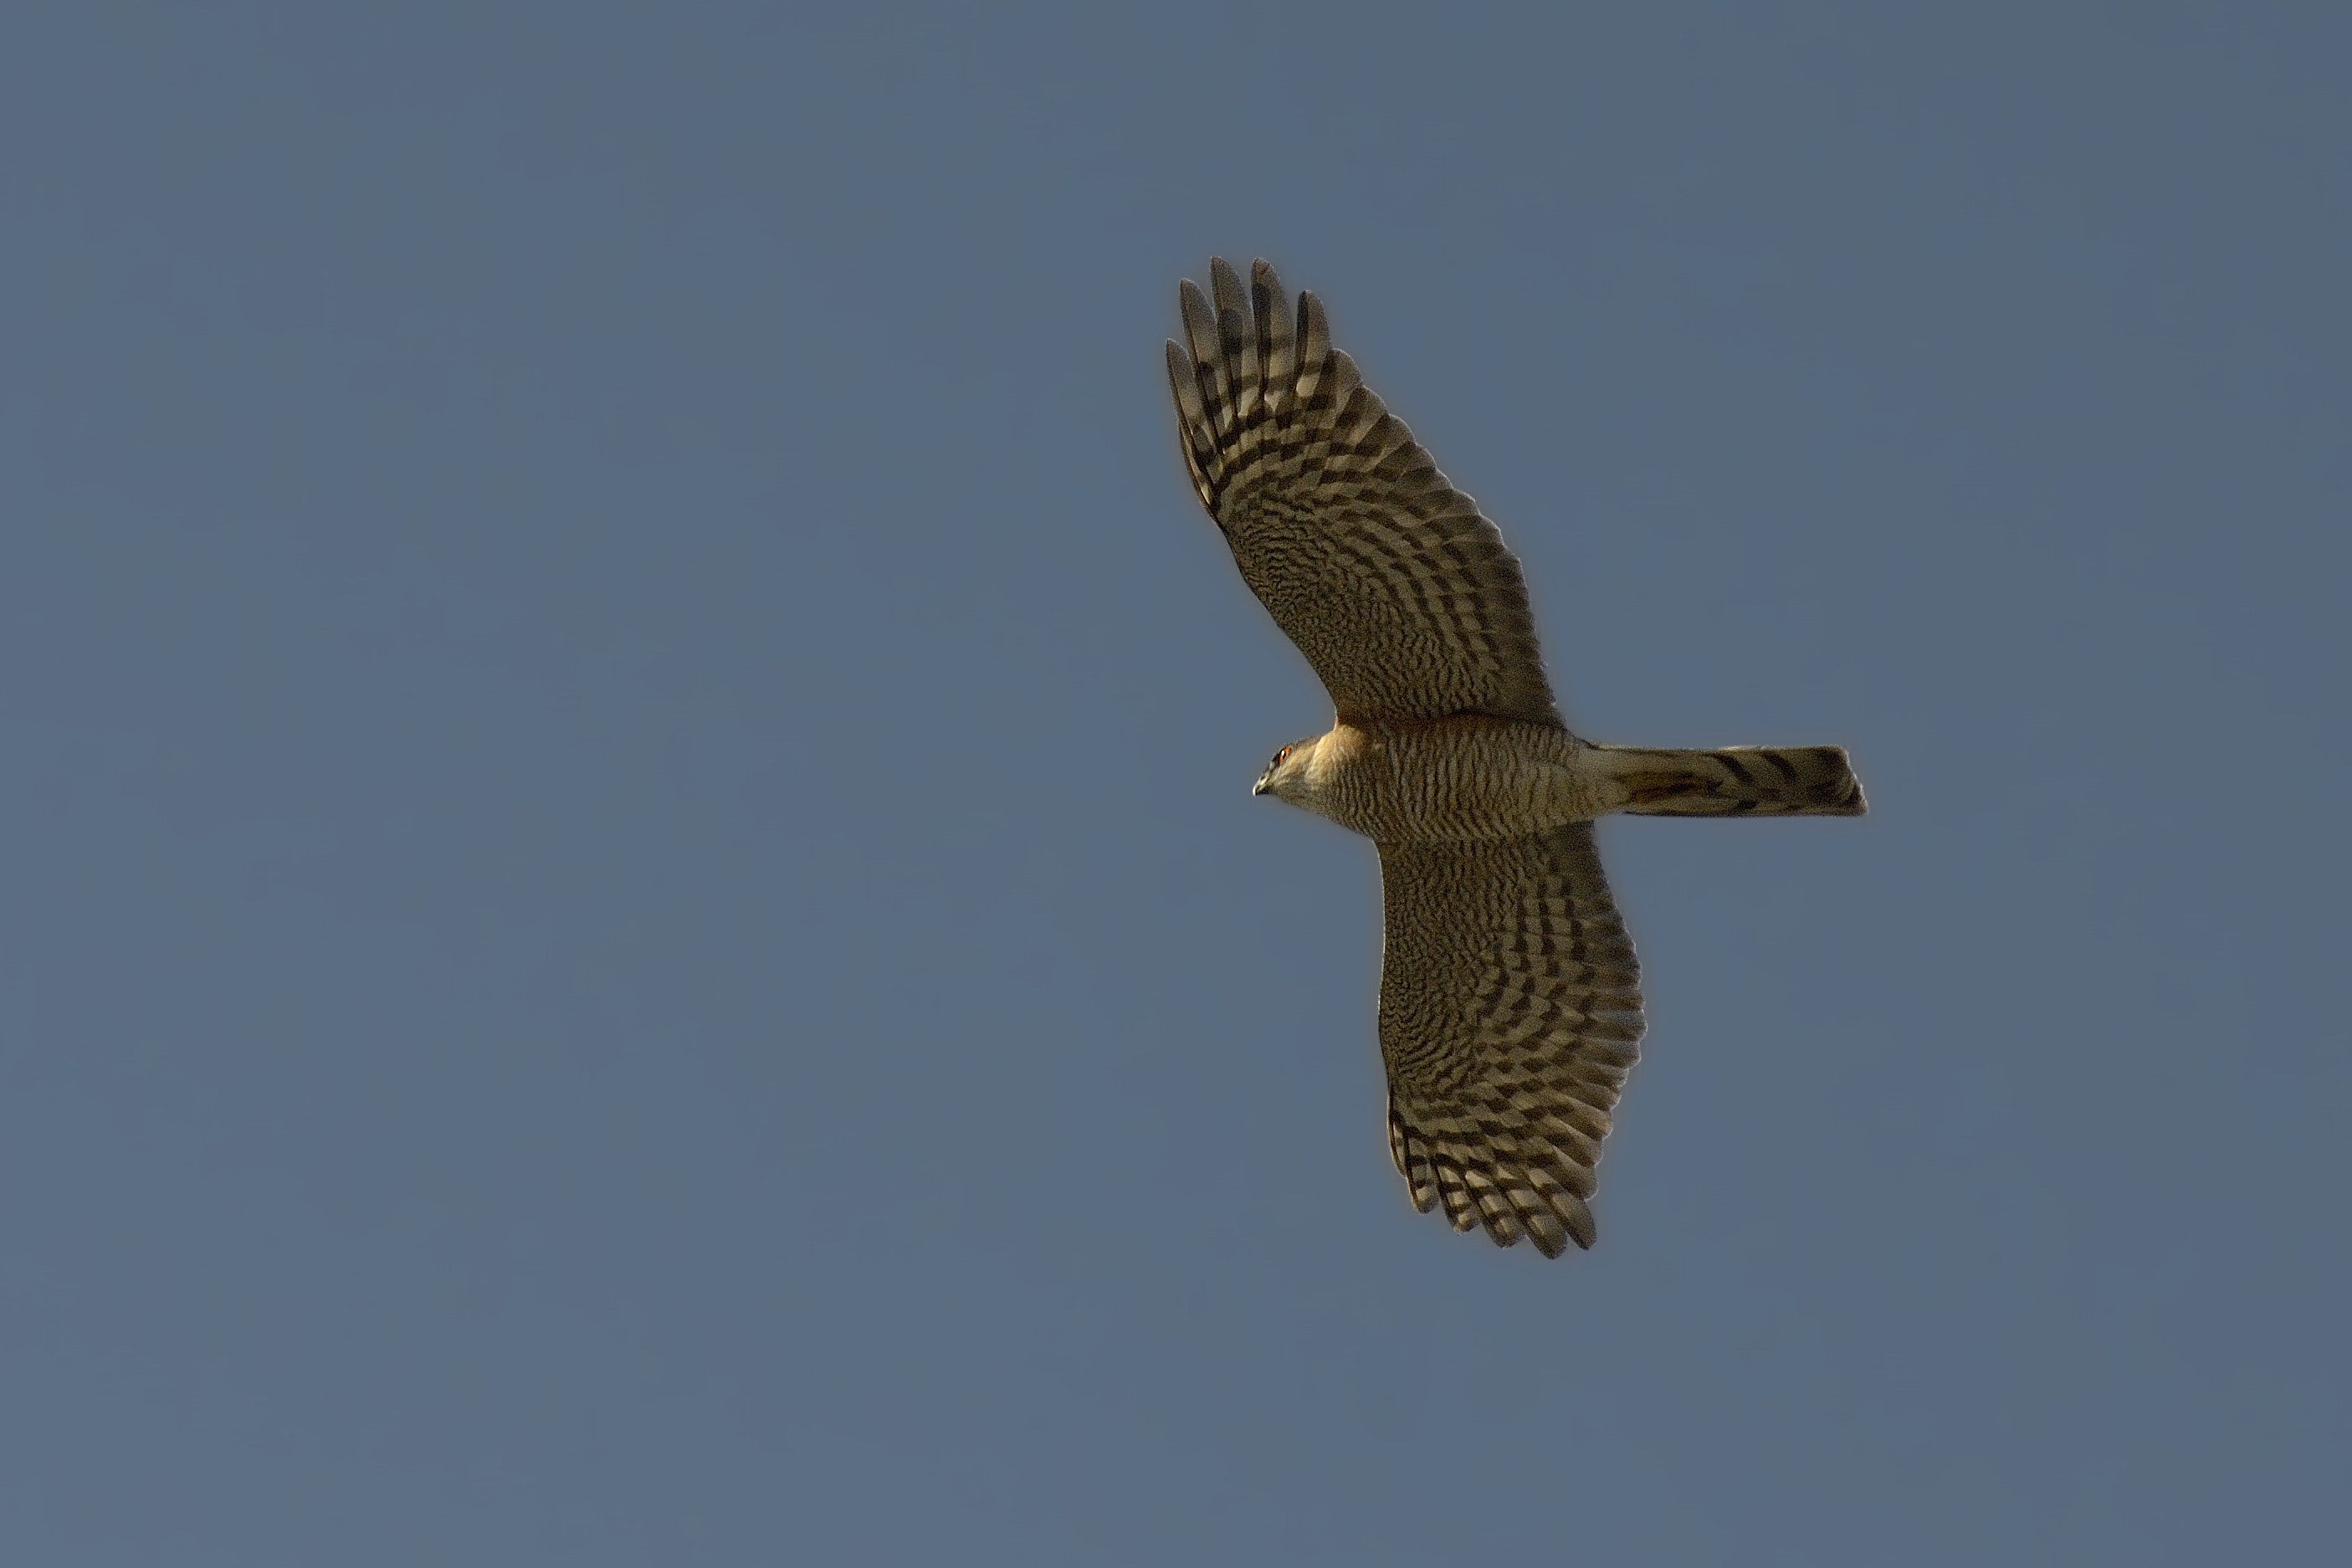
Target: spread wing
{"type": "Point", "coordinates": [1400, 595]}
{"type": "Point", "coordinates": [1510, 1010]}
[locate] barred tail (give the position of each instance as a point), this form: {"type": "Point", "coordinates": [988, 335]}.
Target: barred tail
{"type": "Point", "coordinates": [1770, 781]}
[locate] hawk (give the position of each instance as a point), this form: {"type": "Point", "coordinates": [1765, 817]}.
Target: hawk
{"type": "Point", "coordinates": [1510, 1006]}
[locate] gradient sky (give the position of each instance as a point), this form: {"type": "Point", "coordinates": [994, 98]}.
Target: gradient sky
{"type": "Point", "coordinates": [634, 927]}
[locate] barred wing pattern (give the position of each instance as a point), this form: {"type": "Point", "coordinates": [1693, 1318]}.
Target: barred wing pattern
{"type": "Point", "coordinates": [1511, 1011]}
{"type": "Point", "coordinates": [1398, 593]}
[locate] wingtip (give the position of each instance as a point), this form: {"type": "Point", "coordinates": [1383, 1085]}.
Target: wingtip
{"type": "Point", "coordinates": [1557, 1219]}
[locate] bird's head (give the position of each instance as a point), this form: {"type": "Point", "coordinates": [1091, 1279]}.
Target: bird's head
{"type": "Point", "coordinates": [1287, 778]}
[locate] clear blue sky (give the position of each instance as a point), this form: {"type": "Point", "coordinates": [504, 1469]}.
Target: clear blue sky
{"type": "Point", "coordinates": [634, 927]}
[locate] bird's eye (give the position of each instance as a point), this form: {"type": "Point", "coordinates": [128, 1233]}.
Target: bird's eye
{"type": "Point", "coordinates": [1281, 756]}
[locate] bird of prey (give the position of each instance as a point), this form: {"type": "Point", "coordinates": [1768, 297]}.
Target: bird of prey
{"type": "Point", "coordinates": [1509, 1006]}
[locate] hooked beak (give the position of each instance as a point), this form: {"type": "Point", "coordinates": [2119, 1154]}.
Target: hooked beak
{"type": "Point", "coordinates": [1258, 788]}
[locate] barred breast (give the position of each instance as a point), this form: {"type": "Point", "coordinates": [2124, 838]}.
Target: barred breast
{"type": "Point", "coordinates": [1450, 780]}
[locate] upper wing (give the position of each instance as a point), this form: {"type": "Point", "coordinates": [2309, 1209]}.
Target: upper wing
{"type": "Point", "coordinates": [1510, 1010]}
{"type": "Point", "coordinates": [1400, 595]}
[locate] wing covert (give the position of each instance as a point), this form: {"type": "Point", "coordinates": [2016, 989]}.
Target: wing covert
{"type": "Point", "coordinates": [1402, 597]}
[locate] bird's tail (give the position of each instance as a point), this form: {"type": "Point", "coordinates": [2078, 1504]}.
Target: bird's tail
{"type": "Point", "coordinates": [1765, 780]}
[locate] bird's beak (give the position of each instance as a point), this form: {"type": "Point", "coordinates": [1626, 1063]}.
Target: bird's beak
{"type": "Point", "coordinates": [1258, 788]}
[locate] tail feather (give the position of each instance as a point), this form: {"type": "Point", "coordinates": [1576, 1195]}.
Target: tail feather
{"type": "Point", "coordinates": [1764, 781]}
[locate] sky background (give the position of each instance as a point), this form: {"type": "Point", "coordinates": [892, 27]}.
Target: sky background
{"type": "Point", "coordinates": [631, 924]}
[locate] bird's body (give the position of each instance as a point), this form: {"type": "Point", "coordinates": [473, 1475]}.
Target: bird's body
{"type": "Point", "coordinates": [1469, 776]}
{"type": "Point", "coordinates": [1510, 1007]}
{"type": "Point", "coordinates": [1439, 781]}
